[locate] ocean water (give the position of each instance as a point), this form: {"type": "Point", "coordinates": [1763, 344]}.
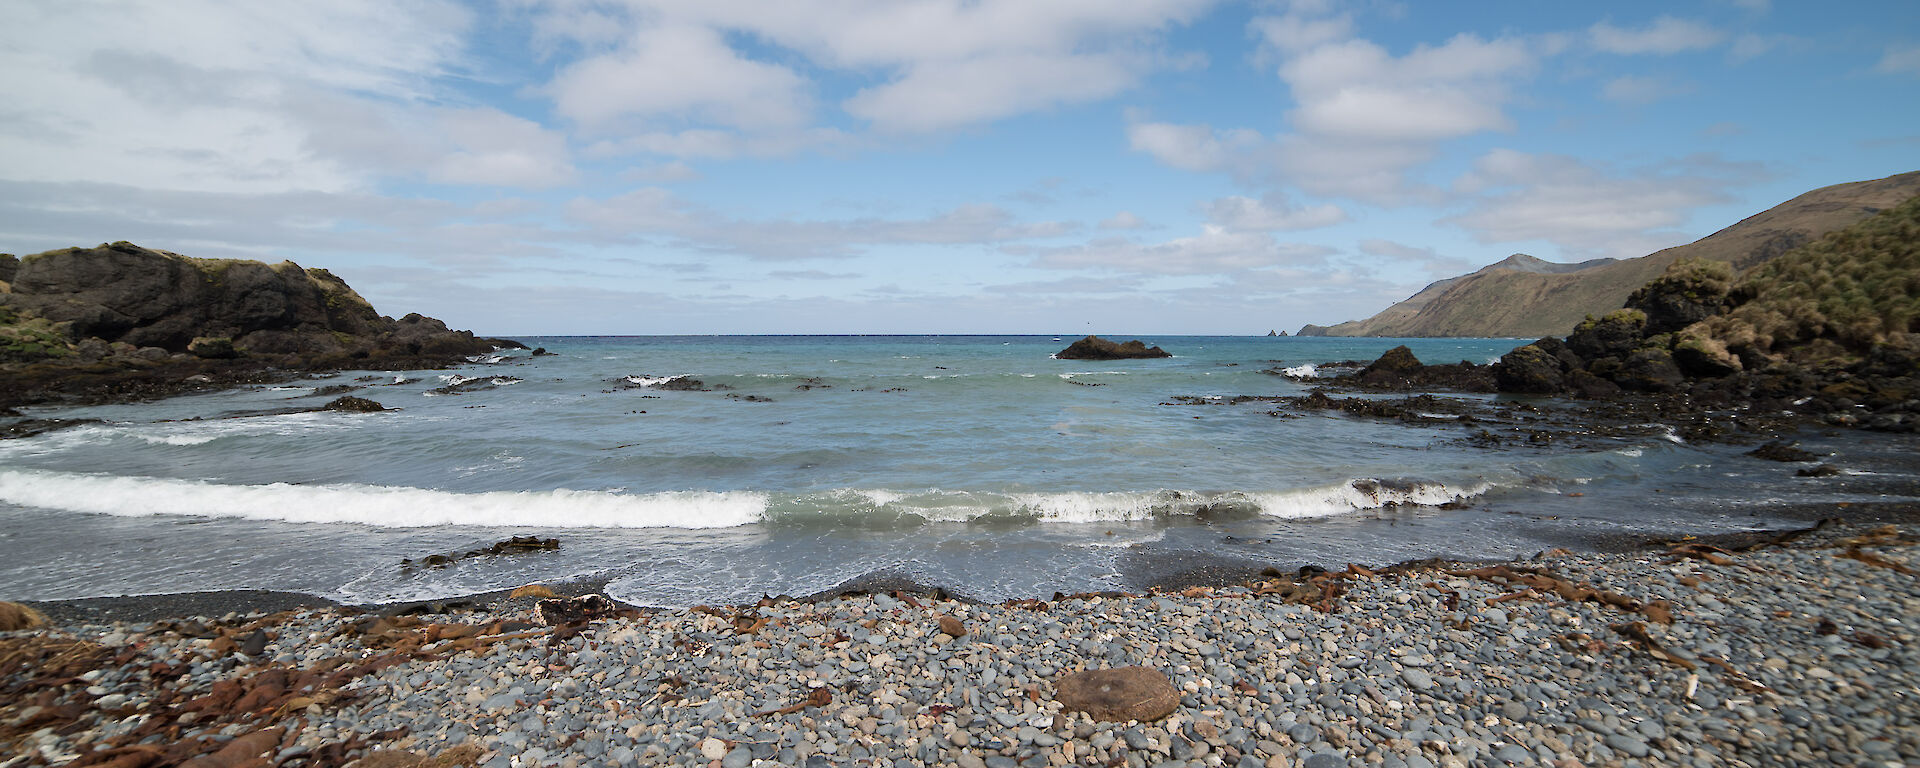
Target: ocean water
{"type": "Point", "coordinates": [980, 464]}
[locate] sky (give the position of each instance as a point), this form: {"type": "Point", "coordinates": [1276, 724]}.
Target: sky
{"type": "Point", "coordinates": [929, 166]}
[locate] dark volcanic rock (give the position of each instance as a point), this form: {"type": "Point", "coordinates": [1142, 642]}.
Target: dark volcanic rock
{"type": "Point", "coordinates": [463, 386]}
{"type": "Point", "coordinates": [1096, 348]}
{"type": "Point", "coordinates": [1689, 291]}
{"type": "Point", "coordinates": [1530, 369]}
{"type": "Point", "coordinates": [510, 546]}
{"type": "Point", "coordinates": [212, 348]}
{"type": "Point", "coordinates": [353, 404]}
{"type": "Point", "coordinates": [1398, 369]}
{"type": "Point", "coordinates": [1118, 695]}
{"type": "Point", "coordinates": [31, 427]}
{"type": "Point", "coordinates": [1650, 370]}
{"type": "Point", "coordinates": [1400, 359]}
{"type": "Point", "coordinates": [123, 311]}
{"type": "Point", "coordinates": [1615, 335]}
{"type": "Point", "coordinates": [1778, 451]}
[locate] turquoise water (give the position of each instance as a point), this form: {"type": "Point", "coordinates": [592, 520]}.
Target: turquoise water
{"type": "Point", "coordinates": [976, 463]}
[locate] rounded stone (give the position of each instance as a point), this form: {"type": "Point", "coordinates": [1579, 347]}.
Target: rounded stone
{"type": "Point", "coordinates": [1115, 695]}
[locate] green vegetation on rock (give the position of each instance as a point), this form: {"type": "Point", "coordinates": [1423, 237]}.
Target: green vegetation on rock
{"type": "Point", "coordinates": [1524, 297]}
{"type": "Point", "coordinates": [1837, 297]}
{"type": "Point", "coordinates": [25, 337]}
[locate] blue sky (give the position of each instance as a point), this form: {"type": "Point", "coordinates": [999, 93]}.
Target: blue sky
{"type": "Point", "coordinates": [937, 166]}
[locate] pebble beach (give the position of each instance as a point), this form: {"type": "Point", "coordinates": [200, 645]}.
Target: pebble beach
{"type": "Point", "coordinates": [1797, 653]}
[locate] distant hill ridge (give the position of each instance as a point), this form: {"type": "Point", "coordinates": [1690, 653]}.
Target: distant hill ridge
{"type": "Point", "coordinates": [1395, 319]}
{"type": "Point", "coordinates": [1522, 296]}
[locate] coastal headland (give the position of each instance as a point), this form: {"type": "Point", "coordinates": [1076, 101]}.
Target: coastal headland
{"type": "Point", "coordinates": [118, 322]}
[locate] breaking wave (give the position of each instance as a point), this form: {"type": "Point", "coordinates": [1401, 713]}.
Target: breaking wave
{"type": "Point", "coordinates": [408, 507]}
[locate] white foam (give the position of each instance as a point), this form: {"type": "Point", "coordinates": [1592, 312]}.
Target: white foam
{"type": "Point", "coordinates": [178, 439]}
{"type": "Point", "coordinates": [652, 381]}
{"type": "Point", "coordinates": [375, 505]}
{"type": "Point", "coordinates": [1359, 494]}
{"type": "Point", "coordinates": [1088, 507]}
{"type": "Point", "coordinates": [1307, 371]}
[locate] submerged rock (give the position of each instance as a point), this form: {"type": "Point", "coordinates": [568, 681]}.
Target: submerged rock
{"type": "Point", "coordinates": [512, 546]}
{"type": "Point", "coordinates": [1778, 451]}
{"type": "Point", "coordinates": [1096, 348]}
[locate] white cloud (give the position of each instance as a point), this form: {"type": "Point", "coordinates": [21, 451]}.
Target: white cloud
{"type": "Point", "coordinates": [1900, 60]}
{"type": "Point", "coordinates": [938, 64]}
{"type": "Point", "coordinates": [660, 173]}
{"type": "Point", "coordinates": [652, 213]}
{"type": "Point", "coordinates": [1424, 258]}
{"type": "Point", "coordinates": [1587, 211]}
{"type": "Point", "coordinates": [1194, 147]}
{"type": "Point", "coordinates": [1215, 250]}
{"type": "Point", "coordinates": [1272, 214]}
{"type": "Point", "coordinates": [1355, 90]}
{"type": "Point", "coordinates": [1295, 33]}
{"type": "Point", "coordinates": [1123, 220]}
{"type": "Point", "coordinates": [940, 95]}
{"type": "Point", "coordinates": [492, 148]}
{"type": "Point", "coordinates": [264, 98]}
{"type": "Point", "coordinates": [673, 73]}
{"type": "Point", "coordinates": [1750, 46]}
{"type": "Point", "coordinates": [1632, 89]}
{"type": "Point", "coordinates": [1362, 117]}
{"type": "Point", "coordinates": [1666, 35]}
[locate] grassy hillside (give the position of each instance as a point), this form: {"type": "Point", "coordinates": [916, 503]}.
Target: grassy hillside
{"type": "Point", "coordinates": [1512, 303]}
{"type": "Point", "coordinates": [1403, 318]}
{"type": "Point", "coordinates": [1854, 288]}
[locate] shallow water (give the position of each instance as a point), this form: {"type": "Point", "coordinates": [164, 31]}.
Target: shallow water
{"type": "Point", "coordinates": [976, 463]}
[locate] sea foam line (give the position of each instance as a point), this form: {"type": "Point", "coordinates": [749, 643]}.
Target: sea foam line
{"type": "Point", "coordinates": [376, 505]}
{"type": "Point", "coordinates": [407, 507]}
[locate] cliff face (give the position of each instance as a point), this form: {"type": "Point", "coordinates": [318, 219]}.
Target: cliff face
{"type": "Point", "coordinates": [99, 312]}
{"type": "Point", "coordinates": [1502, 301]}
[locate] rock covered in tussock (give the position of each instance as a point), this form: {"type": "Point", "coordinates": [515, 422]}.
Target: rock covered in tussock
{"type": "Point", "coordinates": [1782, 656]}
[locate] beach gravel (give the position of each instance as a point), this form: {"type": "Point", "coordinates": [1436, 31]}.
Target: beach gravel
{"type": "Point", "coordinates": [1795, 655]}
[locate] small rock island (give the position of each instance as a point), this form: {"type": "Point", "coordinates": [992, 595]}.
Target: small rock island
{"type": "Point", "coordinates": [1096, 348]}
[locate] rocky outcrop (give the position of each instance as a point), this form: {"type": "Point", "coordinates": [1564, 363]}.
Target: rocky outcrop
{"type": "Point", "coordinates": [93, 315]}
{"type": "Point", "coordinates": [353, 404]}
{"type": "Point", "coordinates": [1519, 297]}
{"type": "Point", "coordinates": [1398, 369]}
{"type": "Point", "coordinates": [121, 292]}
{"type": "Point", "coordinates": [1096, 348]}
{"type": "Point", "coordinates": [1824, 331]}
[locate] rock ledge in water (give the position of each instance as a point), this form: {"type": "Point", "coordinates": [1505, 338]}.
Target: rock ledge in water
{"type": "Point", "coordinates": [1096, 348]}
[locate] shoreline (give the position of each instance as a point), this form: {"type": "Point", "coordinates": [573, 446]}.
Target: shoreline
{"type": "Point", "coordinates": [1795, 653]}
{"type": "Point", "coordinates": [1151, 575]}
